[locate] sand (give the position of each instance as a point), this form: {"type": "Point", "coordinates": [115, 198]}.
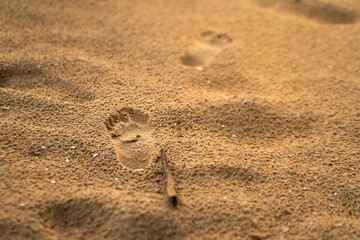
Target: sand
{"type": "Point", "coordinates": [256, 102]}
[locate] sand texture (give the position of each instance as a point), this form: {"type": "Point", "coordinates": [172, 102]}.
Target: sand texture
{"type": "Point", "coordinates": [256, 102]}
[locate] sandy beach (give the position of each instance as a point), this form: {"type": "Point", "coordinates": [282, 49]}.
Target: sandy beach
{"type": "Point", "coordinates": [256, 102]}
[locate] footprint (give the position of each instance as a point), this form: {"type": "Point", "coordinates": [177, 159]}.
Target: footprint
{"type": "Point", "coordinates": [131, 134]}
{"type": "Point", "coordinates": [202, 51]}
{"type": "Point", "coordinates": [316, 10]}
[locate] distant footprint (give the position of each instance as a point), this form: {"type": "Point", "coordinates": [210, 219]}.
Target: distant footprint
{"type": "Point", "coordinates": [316, 10]}
{"type": "Point", "coordinates": [202, 51]}
{"type": "Point", "coordinates": [131, 134]}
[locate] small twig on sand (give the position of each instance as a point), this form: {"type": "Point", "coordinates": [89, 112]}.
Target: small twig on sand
{"type": "Point", "coordinates": [169, 180]}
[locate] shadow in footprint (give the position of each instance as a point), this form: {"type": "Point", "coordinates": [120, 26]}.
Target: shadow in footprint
{"type": "Point", "coordinates": [316, 10]}
{"type": "Point", "coordinates": [202, 51]}
{"type": "Point", "coordinates": [25, 77]}
{"type": "Point", "coordinates": [131, 133]}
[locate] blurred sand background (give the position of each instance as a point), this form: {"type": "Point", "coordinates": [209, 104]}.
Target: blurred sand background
{"type": "Point", "coordinates": [256, 102]}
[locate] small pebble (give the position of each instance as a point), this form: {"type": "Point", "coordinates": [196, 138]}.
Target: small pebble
{"type": "Point", "coordinates": [43, 147]}
{"type": "Point", "coordinates": [340, 224]}
{"type": "Point", "coordinates": [67, 160]}
{"type": "Point", "coordinates": [222, 126]}
{"type": "Point", "coordinates": [200, 68]}
{"type": "Point", "coordinates": [22, 204]}
{"type": "Point", "coordinates": [52, 181]}
{"type": "Point", "coordinates": [73, 147]}
{"type": "Point", "coordinates": [335, 193]}
{"type": "Point", "coordinates": [116, 179]}
{"type": "Point", "coordinates": [38, 66]}
{"type": "Point", "coordinates": [46, 169]}
{"type": "Point", "coordinates": [139, 170]}
{"type": "Point", "coordinates": [225, 198]}
{"type": "Point", "coordinates": [234, 135]}
{"type": "Point", "coordinates": [95, 155]}
{"type": "Point", "coordinates": [285, 230]}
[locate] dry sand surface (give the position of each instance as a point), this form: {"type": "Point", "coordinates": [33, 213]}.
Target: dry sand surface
{"type": "Point", "coordinates": [257, 103]}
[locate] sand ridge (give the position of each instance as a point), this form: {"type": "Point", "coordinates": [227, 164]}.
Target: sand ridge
{"type": "Point", "coordinates": [256, 102]}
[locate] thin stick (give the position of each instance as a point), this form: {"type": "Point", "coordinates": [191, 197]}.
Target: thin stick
{"type": "Point", "coordinates": [169, 180]}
